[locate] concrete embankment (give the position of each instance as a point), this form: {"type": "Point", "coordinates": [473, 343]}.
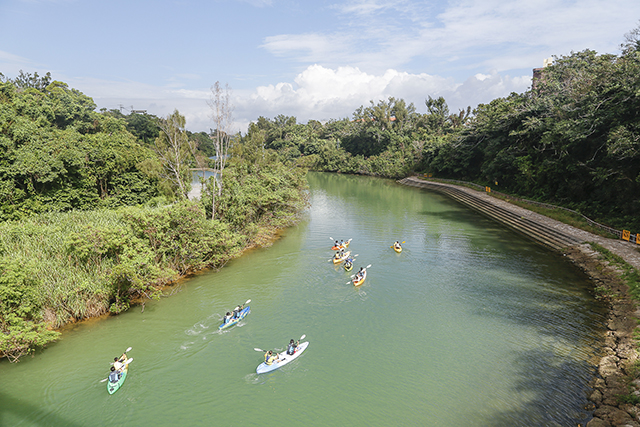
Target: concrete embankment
{"type": "Point", "coordinates": [616, 369]}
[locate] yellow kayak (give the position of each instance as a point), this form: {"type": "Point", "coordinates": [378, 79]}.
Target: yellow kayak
{"type": "Point", "coordinates": [359, 281]}
{"type": "Point", "coordinates": [342, 258]}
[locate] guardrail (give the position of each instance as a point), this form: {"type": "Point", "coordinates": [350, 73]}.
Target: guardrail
{"type": "Point", "coordinates": [624, 234]}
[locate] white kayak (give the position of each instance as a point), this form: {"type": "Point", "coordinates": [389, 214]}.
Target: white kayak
{"type": "Point", "coordinates": [284, 359]}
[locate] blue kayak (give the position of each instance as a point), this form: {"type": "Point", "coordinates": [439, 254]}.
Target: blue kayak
{"type": "Point", "coordinates": [241, 316]}
{"type": "Point", "coordinates": [284, 358]}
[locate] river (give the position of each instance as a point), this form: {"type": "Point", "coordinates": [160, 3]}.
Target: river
{"type": "Point", "coordinates": [471, 325]}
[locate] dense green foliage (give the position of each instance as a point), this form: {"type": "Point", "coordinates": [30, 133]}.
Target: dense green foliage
{"type": "Point", "coordinates": [572, 140]}
{"type": "Point", "coordinates": [57, 153]}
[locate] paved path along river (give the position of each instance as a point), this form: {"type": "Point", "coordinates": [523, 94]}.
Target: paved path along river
{"type": "Point", "coordinates": [630, 252]}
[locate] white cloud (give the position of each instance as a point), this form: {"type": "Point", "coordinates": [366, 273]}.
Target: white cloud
{"type": "Point", "coordinates": [318, 93]}
{"type": "Point", "coordinates": [321, 93]}
{"type": "Point", "coordinates": [470, 34]}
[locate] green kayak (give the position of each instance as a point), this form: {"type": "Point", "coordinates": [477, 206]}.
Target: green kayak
{"type": "Point", "coordinates": [116, 379]}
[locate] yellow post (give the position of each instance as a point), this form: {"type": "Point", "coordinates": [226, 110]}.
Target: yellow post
{"type": "Point", "coordinates": [487, 189]}
{"type": "Point", "coordinates": [626, 235]}
{"type": "Point", "coordinates": [637, 238]}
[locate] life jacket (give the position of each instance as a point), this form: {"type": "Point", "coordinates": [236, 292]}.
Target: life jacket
{"type": "Point", "coordinates": [291, 349]}
{"type": "Point", "coordinates": [269, 359]}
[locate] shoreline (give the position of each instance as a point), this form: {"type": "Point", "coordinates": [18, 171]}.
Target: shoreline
{"type": "Point", "coordinates": [615, 368]}
{"type": "Point", "coordinates": [618, 367]}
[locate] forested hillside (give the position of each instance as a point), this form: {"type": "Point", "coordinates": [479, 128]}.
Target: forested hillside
{"type": "Point", "coordinates": [573, 140]}
{"type": "Point", "coordinates": [57, 153]}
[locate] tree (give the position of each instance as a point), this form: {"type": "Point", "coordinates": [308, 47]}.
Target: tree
{"type": "Point", "coordinates": [221, 114]}
{"type": "Point", "coordinates": [174, 150]}
{"type": "Point", "coordinates": [26, 80]}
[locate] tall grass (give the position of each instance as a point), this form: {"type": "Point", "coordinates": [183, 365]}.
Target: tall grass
{"type": "Point", "coordinates": [630, 275]}
{"type": "Point", "coordinates": [69, 291]}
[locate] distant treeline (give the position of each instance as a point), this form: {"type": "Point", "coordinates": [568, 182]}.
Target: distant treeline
{"type": "Point", "coordinates": [572, 140]}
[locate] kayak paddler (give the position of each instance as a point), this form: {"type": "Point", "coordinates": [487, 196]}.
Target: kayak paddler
{"type": "Point", "coordinates": [397, 245]}
{"type": "Point", "coordinates": [291, 348]}
{"type": "Point", "coordinates": [237, 310]}
{"type": "Point", "coordinates": [114, 376]}
{"type": "Point", "coordinates": [226, 317]}
{"type": "Point", "coordinates": [269, 357]}
{"type": "Point", "coordinates": [118, 364]}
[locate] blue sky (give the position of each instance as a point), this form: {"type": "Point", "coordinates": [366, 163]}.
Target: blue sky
{"type": "Point", "coordinates": [309, 59]}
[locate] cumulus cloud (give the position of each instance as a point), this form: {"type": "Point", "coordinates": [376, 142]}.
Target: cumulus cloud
{"type": "Point", "coordinates": [318, 93]}
{"type": "Point", "coordinates": [321, 93]}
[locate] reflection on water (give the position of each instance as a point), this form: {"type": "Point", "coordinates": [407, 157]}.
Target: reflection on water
{"type": "Point", "coordinates": [470, 325]}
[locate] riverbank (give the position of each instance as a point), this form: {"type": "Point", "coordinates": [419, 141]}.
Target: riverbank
{"type": "Point", "coordinates": [616, 390]}
{"type": "Point", "coordinates": [58, 268]}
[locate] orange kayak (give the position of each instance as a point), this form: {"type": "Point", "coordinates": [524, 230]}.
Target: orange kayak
{"type": "Point", "coordinates": [342, 246]}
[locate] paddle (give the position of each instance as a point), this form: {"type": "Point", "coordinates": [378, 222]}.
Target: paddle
{"type": "Point", "coordinates": [126, 351]}
{"type": "Point", "coordinates": [264, 351]}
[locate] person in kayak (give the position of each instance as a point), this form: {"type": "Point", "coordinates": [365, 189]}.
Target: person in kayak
{"type": "Point", "coordinates": [348, 264]}
{"type": "Point", "coordinates": [269, 357]}
{"type": "Point", "coordinates": [397, 245]}
{"type": "Point", "coordinates": [114, 376]}
{"type": "Point", "coordinates": [359, 274]}
{"type": "Point", "coordinates": [237, 310]}
{"type": "Point", "coordinates": [338, 254]}
{"type": "Point", "coordinates": [118, 363]}
{"type": "Point", "coordinates": [291, 348]}
{"type": "Point", "coordinates": [226, 318]}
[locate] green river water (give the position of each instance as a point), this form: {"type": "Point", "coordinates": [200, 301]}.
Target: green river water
{"type": "Point", "coordinates": [471, 325]}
